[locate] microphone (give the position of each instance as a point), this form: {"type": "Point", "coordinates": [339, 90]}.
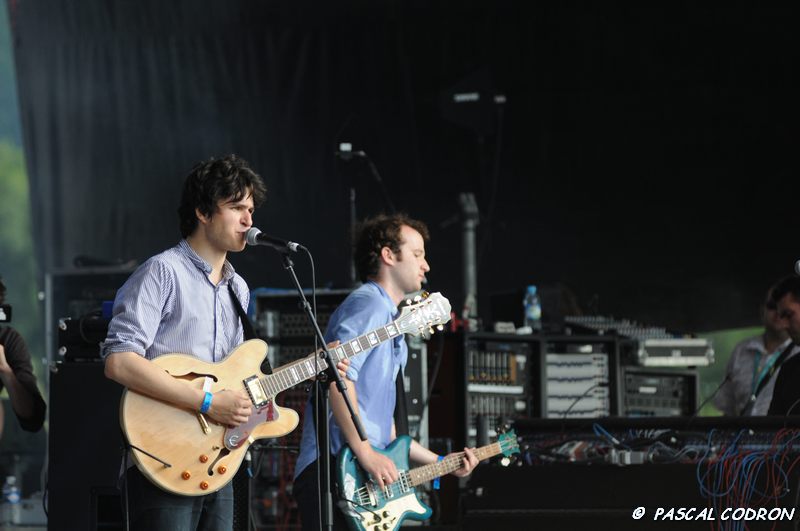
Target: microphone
{"type": "Point", "coordinates": [256, 237]}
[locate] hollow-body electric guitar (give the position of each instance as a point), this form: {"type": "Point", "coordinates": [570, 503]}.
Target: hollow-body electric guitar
{"type": "Point", "coordinates": [370, 508]}
{"type": "Point", "coordinates": [187, 453]}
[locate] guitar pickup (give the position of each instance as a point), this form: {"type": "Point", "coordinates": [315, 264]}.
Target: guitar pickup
{"type": "Point", "coordinates": [256, 391]}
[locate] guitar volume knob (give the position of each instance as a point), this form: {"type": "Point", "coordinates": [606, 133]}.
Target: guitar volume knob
{"type": "Point", "coordinates": [204, 485]}
{"type": "Point", "coordinates": [204, 459]}
{"type": "Point", "coordinates": [222, 469]}
{"type": "Point", "coordinates": [186, 474]}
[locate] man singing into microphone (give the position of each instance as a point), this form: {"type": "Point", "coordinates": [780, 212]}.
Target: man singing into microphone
{"type": "Point", "coordinates": [187, 300]}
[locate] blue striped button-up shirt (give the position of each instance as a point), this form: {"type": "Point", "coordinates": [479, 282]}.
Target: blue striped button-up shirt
{"type": "Point", "coordinates": [373, 371]}
{"type": "Point", "coordinates": [169, 305]}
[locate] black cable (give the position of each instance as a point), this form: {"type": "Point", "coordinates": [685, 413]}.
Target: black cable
{"type": "Point", "coordinates": [712, 395]}
{"type": "Point", "coordinates": [386, 197]}
{"type": "Point", "coordinates": [151, 456]}
{"type": "Point", "coordinates": [786, 416]}
{"type": "Point", "coordinates": [377, 516]}
{"type": "Point", "coordinates": [789, 411]}
{"type": "Point", "coordinates": [317, 385]}
{"type": "Point", "coordinates": [584, 395]}
{"type": "Point", "coordinates": [493, 194]}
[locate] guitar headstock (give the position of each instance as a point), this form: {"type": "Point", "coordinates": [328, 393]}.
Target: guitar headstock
{"type": "Point", "coordinates": [508, 443]}
{"type": "Point", "coordinates": [420, 316]}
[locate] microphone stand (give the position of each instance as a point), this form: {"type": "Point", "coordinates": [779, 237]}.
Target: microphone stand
{"type": "Point", "coordinates": [322, 401]}
{"type": "Point", "coordinates": [373, 170]}
{"type": "Point", "coordinates": [352, 233]}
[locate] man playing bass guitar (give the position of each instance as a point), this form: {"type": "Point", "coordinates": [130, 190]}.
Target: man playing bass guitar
{"type": "Point", "coordinates": [390, 260]}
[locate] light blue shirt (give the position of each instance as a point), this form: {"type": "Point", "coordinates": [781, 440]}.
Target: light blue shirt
{"type": "Point", "coordinates": [745, 366]}
{"type": "Point", "coordinates": [373, 372]}
{"type": "Point", "coordinates": [169, 305]}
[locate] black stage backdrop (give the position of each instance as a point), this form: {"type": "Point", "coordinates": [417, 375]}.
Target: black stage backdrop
{"type": "Point", "coordinates": [645, 155]}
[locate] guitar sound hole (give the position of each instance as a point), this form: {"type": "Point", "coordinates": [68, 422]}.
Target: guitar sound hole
{"type": "Point", "coordinates": [223, 453]}
{"type": "Point", "coordinates": [192, 376]}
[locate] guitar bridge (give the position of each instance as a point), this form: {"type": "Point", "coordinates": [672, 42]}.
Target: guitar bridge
{"type": "Point", "coordinates": [256, 391]}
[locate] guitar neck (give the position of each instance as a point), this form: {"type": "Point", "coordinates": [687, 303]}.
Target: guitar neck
{"type": "Point", "coordinates": [451, 463]}
{"type": "Point", "coordinates": [306, 368]}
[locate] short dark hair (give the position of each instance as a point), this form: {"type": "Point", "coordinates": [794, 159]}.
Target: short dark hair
{"type": "Point", "coordinates": [215, 180]}
{"type": "Point", "coordinates": [374, 234]}
{"type": "Point", "coordinates": [786, 285]}
{"type": "Point", "coordinates": [2, 291]}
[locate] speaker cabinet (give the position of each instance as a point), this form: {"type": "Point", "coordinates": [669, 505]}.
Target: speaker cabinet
{"type": "Point", "coordinates": [85, 452]}
{"type": "Point", "coordinates": [85, 449]}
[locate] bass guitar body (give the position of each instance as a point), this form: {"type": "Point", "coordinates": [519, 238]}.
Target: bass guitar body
{"type": "Point", "coordinates": [385, 509]}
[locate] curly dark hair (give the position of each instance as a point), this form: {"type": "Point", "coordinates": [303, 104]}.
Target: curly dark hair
{"type": "Point", "coordinates": [215, 180]}
{"type": "Point", "coordinates": [374, 234]}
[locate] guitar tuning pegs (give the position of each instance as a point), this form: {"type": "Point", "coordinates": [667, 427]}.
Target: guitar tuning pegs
{"type": "Point", "coordinates": [439, 327]}
{"type": "Point", "coordinates": [408, 301]}
{"type": "Point", "coordinates": [417, 298]}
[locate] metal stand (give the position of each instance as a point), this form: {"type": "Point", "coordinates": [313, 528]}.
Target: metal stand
{"type": "Point", "coordinates": [322, 402]}
{"type": "Point", "coordinates": [469, 220]}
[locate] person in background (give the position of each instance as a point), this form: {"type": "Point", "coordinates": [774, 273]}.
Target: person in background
{"type": "Point", "coordinates": [16, 376]}
{"type": "Point", "coordinates": [751, 369]}
{"type": "Point", "coordinates": [786, 395]}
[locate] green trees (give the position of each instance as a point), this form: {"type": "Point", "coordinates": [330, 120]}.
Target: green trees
{"type": "Point", "coordinates": [17, 261]}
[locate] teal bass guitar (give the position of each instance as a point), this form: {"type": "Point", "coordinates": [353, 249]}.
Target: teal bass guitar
{"type": "Point", "coordinates": [370, 508]}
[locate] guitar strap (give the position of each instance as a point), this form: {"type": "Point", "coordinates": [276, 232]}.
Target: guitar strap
{"type": "Point", "coordinates": [247, 327]}
{"type": "Point", "coordinates": [764, 381]}
{"type": "Point", "coordinates": [400, 407]}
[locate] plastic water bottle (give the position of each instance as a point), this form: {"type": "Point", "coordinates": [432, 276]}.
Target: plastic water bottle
{"type": "Point", "coordinates": [11, 502]}
{"type": "Point", "coordinates": [533, 308]}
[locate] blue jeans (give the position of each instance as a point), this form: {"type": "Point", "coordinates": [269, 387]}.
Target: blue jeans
{"type": "Point", "coordinates": [153, 509]}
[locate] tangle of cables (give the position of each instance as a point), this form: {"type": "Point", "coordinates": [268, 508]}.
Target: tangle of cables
{"type": "Point", "coordinates": [748, 476]}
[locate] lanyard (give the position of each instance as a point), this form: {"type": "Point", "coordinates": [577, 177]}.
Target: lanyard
{"type": "Point", "coordinates": [759, 375]}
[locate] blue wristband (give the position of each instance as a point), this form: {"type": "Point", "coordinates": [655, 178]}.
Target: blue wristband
{"type": "Point", "coordinates": [206, 403]}
{"type": "Point", "coordinates": [436, 480]}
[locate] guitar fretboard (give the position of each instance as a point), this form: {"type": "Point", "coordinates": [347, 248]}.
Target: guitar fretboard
{"type": "Point", "coordinates": [451, 463]}
{"type": "Point", "coordinates": [308, 367]}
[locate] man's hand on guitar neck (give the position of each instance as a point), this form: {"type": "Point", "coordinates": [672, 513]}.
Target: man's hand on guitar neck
{"type": "Point", "coordinates": [342, 365]}
{"type": "Point", "coordinates": [230, 408]}
{"type": "Point", "coordinates": [422, 455]}
{"type": "Point", "coordinates": [468, 464]}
